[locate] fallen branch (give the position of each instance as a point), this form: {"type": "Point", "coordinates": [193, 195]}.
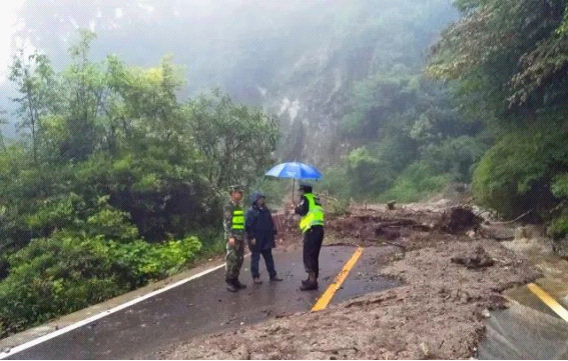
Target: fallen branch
{"type": "Point", "coordinates": [394, 244]}
{"type": "Point", "coordinates": [516, 219]}
{"type": "Point", "coordinates": [485, 234]}
{"type": "Point", "coordinates": [559, 206]}
{"type": "Point", "coordinates": [470, 201]}
{"type": "Point", "coordinates": [336, 350]}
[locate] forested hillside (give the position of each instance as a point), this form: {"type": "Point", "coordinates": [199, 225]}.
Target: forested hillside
{"type": "Point", "coordinates": [508, 61]}
{"type": "Point", "coordinates": [114, 181]}
{"type": "Point", "coordinates": [343, 78]}
{"type": "Point", "coordinates": [134, 117]}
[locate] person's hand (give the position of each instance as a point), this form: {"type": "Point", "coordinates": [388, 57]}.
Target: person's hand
{"type": "Point", "coordinates": [253, 241]}
{"type": "Point", "coordinates": [232, 242]}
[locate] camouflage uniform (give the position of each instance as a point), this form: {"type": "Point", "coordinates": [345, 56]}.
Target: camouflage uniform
{"type": "Point", "coordinates": [236, 253]}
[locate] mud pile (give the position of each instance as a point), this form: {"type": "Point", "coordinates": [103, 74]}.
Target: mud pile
{"type": "Point", "coordinates": [475, 260]}
{"type": "Point", "coordinates": [449, 281]}
{"type": "Point", "coordinates": [459, 220]}
{"type": "Point", "coordinates": [405, 227]}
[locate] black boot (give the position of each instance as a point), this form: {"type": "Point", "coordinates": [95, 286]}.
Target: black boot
{"type": "Point", "coordinates": [239, 285]}
{"type": "Point", "coordinates": [309, 286]}
{"type": "Point", "coordinates": [311, 283]}
{"type": "Point", "coordinates": [311, 275]}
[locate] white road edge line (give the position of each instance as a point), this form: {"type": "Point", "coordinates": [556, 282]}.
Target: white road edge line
{"type": "Point", "coordinates": [98, 316]}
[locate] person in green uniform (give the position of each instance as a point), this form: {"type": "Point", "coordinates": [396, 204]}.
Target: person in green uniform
{"type": "Point", "coordinates": [234, 226]}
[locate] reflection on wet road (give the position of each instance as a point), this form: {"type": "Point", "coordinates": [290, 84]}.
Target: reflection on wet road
{"type": "Point", "coordinates": [203, 306]}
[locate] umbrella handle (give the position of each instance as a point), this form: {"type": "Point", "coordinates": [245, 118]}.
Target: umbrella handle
{"type": "Point", "coordinates": [293, 191]}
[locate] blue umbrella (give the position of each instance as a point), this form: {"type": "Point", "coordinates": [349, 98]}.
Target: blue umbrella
{"type": "Point", "coordinates": [294, 170]}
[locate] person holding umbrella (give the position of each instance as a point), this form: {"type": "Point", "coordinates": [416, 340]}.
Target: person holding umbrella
{"type": "Point", "coordinates": [312, 221]}
{"type": "Point", "coordinates": [311, 224]}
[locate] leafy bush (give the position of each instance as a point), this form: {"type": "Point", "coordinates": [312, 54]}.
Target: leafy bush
{"type": "Point", "coordinates": [417, 182]}
{"type": "Point", "coordinates": [53, 276]}
{"type": "Point", "coordinates": [69, 271]}
{"type": "Point", "coordinates": [369, 175]}
{"type": "Point", "coordinates": [147, 261]}
{"type": "Point", "coordinates": [335, 182]}
{"type": "Point", "coordinates": [455, 156]}
{"type": "Point", "coordinates": [560, 185]}
{"type": "Point", "coordinates": [56, 212]}
{"type": "Point", "coordinates": [520, 172]}
{"type": "Point", "coordinates": [558, 228]}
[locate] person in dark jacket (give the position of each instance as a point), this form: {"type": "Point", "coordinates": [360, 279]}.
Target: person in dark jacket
{"type": "Point", "coordinates": [261, 234]}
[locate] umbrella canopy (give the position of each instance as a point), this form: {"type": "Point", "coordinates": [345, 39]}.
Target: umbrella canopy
{"type": "Point", "coordinates": [294, 170]}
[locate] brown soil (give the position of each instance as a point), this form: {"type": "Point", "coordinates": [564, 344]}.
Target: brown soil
{"type": "Point", "coordinates": [475, 260]}
{"type": "Point", "coordinates": [450, 280]}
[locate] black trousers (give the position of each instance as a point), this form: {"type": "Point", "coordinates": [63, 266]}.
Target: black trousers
{"type": "Point", "coordinates": [268, 260]}
{"type": "Point", "coordinates": [313, 240]}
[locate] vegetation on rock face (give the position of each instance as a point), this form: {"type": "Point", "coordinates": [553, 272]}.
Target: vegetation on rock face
{"type": "Point", "coordinates": [508, 61]}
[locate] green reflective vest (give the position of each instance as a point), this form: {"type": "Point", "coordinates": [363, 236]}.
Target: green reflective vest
{"type": "Point", "coordinates": [238, 222]}
{"type": "Point", "coordinates": [315, 215]}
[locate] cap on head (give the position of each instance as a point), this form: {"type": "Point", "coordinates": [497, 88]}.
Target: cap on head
{"type": "Point", "coordinates": [236, 188]}
{"type": "Point", "coordinates": [306, 187]}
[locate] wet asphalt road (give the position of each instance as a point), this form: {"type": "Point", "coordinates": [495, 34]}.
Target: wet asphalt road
{"type": "Point", "coordinates": [203, 306]}
{"type": "Point", "coordinates": [528, 330]}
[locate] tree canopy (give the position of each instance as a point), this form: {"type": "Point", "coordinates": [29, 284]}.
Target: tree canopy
{"type": "Point", "coordinates": [509, 61]}
{"type": "Point", "coordinates": [114, 181]}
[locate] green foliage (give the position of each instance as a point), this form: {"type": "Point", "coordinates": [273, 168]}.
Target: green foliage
{"type": "Point", "coordinates": [110, 223]}
{"type": "Point", "coordinates": [110, 186]}
{"type": "Point", "coordinates": [508, 55]}
{"type": "Point", "coordinates": [399, 120]}
{"type": "Point", "coordinates": [335, 182]}
{"type": "Point", "coordinates": [236, 140]}
{"type": "Point", "coordinates": [507, 61]}
{"type": "Point", "coordinates": [70, 271]}
{"type": "Point", "coordinates": [56, 212]}
{"type": "Point", "coordinates": [454, 156]}
{"type": "Point", "coordinates": [365, 172]}
{"type": "Point", "coordinates": [560, 186]}
{"type": "Point", "coordinates": [417, 182]}
{"type": "Point", "coordinates": [563, 28]}
{"type": "Point", "coordinates": [153, 261]}
{"type": "Point", "coordinates": [558, 228]}
{"type": "Point", "coordinates": [515, 174]}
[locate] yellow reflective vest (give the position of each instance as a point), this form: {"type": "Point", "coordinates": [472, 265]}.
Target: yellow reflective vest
{"type": "Point", "coordinates": [238, 223]}
{"type": "Point", "coordinates": [315, 215]}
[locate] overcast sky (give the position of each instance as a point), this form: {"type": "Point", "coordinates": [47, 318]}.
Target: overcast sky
{"type": "Point", "coordinates": [7, 28]}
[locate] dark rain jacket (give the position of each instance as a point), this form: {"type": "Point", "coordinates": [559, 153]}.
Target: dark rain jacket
{"type": "Point", "coordinates": [259, 225]}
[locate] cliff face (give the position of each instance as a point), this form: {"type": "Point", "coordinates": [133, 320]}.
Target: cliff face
{"type": "Point", "coordinates": [312, 91]}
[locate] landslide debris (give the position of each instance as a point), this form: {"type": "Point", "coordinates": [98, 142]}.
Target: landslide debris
{"type": "Point", "coordinates": [438, 312]}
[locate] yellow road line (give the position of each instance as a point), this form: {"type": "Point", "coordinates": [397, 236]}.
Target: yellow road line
{"type": "Point", "coordinates": [324, 300]}
{"type": "Point", "coordinates": [549, 301]}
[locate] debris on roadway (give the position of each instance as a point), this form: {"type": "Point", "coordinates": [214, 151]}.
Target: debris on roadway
{"type": "Point", "coordinates": [451, 272]}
